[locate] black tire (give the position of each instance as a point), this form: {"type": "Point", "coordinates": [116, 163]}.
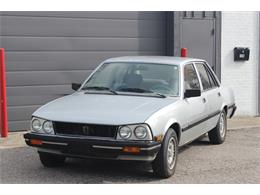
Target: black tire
{"type": "Point", "coordinates": [51, 160]}
{"type": "Point", "coordinates": [161, 167]}
{"type": "Point", "coordinates": [216, 135]}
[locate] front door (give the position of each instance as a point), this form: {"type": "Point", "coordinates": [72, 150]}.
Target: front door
{"type": "Point", "coordinates": [195, 108]}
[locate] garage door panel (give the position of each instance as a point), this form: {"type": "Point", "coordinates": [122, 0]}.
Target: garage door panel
{"type": "Point", "coordinates": [95, 14]}
{"type": "Point", "coordinates": [25, 78]}
{"type": "Point", "coordinates": [19, 125]}
{"type": "Point", "coordinates": [32, 99]}
{"type": "Point", "coordinates": [22, 26]}
{"type": "Point", "coordinates": [46, 90]}
{"type": "Point", "coordinates": [81, 44]}
{"type": "Point", "coordinates": [34, 61]}
{"type": "Point", "coordinates": [20, 113]}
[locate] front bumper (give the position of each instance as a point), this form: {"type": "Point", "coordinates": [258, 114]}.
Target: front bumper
{"type": "Point", "coordinates": [85, 147]}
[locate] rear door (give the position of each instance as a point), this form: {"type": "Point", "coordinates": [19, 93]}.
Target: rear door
{"type": "Point", "coordinates": [211, 92]}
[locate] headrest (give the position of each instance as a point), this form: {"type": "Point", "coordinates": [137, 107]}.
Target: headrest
{"type": "Point", "coordinates": [133, 80]}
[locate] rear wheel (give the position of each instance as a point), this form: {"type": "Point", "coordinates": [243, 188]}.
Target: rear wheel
{"type": "Point", "coordinates": [165, 163]}
{"type": "Point", "coordinates": [51, 160]}
{"type": "Point", "coordinates": [218, 134]}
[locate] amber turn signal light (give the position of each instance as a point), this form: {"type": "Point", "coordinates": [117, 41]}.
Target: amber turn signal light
{"type": "Point", "coordinates": [129, 149]}
{"type": "Point", "coordinates": [158, 138]}
{"type": "Point", "coordinates": [36, 142]}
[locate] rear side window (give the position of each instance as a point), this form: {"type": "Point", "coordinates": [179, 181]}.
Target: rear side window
{"type": "Point", "coordinates": [213, 84]}
{"type": "Point", "coordinates": [212, 79]}
{"type": "Point", "coordinates": [205, 80]}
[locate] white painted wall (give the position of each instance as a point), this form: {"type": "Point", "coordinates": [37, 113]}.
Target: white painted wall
{"type": "Point", "coordinates": [240, 29]}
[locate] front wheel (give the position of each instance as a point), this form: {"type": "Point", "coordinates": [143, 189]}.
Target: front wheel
{"type": "Point", "coordinates": [218, 134]}
{"type": "Point", "coordinates": [165, 163]}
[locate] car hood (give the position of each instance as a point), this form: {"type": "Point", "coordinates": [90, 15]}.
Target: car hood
{"type": "Point", "coordinates": [102, 108]}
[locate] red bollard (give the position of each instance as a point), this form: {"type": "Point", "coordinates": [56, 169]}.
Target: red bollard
{"type": "Point", "coordinates": [3, 101]}
{"type": "Point", "coordinates": [184, 52]}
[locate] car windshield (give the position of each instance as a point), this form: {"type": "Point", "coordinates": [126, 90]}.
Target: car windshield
{"type": "Point", "coordinates": [138, 78]}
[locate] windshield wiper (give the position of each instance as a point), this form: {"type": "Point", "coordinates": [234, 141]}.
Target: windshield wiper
{"type": "Point", "coordinates": [137, 90]}
{"type": "Point", "coordinates": [160, 95]}
{"type": "Point", "coordinates": [140, 90]}
{"type": "Point", "coordinates": [100, 88]}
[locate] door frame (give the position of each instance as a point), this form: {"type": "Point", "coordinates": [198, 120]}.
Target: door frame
{"type": "Point", "coordinates": [177, 34]}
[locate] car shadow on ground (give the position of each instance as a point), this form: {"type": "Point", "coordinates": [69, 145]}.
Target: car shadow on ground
{"type": "Point", "coordinates": [81, 170]}
{"type": "Point", "coordinates": [110, 171]}
{"type": "Point", "coordinates": [202, 141]}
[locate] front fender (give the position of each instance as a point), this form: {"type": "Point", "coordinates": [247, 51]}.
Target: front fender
{"type": "Point", "coordinates": [169, 124]}
{"type": "Point", "coordinates": [162, 120]}
{"type": "Point", "coordinates": [160, 127]}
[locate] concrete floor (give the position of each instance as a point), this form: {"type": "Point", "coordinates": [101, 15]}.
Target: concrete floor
{"type": "Point", "coordinates": [235, 161]}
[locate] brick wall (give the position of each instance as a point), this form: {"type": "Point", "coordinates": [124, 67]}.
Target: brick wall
{"type": "Point", "coordinates": [240, 29]}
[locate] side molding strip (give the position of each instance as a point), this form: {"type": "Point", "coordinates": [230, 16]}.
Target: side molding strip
{"type": "Point", "coordinates": [201, 121]}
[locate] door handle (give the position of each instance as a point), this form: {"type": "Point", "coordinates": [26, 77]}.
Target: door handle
{"type": "Point", "coordinates": [204, 100]}
{"type": "Point", "coordinates": [219, 94]}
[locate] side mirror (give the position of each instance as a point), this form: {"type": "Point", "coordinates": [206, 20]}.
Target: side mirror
{"type": "Point", "coordinates": [192, 93]}
{"type": "Point", "coordinates": [75, 86]}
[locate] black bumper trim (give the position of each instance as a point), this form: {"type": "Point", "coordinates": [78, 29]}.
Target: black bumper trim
{"type": "Point", "coordinates": [93, 148]}
{"type": "Point", "coordinates": [234, 108]}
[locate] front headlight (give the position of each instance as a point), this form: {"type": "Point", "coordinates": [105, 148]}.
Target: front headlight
{"type": "Point", "coordinates": [39, 125]}
{"type": "Point", "coordinates": [36, 125]}
{"type": "Point", "coordinates": [47, 127]}
{"type": "Point", "coordinates": [125, 132]}
{"type": "Point", "coordinates": [140, 132]}
{"type": "Point", "coordinates": [135, 132]}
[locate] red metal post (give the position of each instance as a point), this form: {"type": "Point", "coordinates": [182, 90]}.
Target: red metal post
{"type": "Point", "coordinates": [3, 101]}
{"type": "Point", "coordinates": [184, 52]}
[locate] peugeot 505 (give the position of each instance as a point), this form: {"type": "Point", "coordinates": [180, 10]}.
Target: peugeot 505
{"type": "Point", "coordinates": [139, 108]}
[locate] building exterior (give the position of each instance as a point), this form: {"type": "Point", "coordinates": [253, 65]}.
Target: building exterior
{"type": "Point", "coordinates": [47, 51]}
{"type": "Point", "coordinates": [241, 29]}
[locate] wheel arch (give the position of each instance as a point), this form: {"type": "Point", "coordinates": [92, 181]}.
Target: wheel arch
{"type": "Point", "coordinates": [177, 128]}
{"type": "Point", "coordinates": [175, 125]}
{"type": "Point", "coordinates": [225, 108]}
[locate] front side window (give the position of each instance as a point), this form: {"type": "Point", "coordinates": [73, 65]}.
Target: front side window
{"type": "Point", "coordinates": [191, 80]}
{"type": "Point", "coordinates": [131, 77]}
{"type": "Point", "coordinates": [203, 76]}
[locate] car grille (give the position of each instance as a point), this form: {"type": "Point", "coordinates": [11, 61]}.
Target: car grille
{"type": "Point", "coordinates": [85, 129]}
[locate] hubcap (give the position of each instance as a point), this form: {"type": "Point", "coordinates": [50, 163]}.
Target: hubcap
{"type": "Point", "coordinates": [171, 153]}
{"type": "Point", "coordinates": [222, 125]}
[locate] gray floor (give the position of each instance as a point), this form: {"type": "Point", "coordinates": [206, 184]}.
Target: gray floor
{"type": "Point", "coordinates": [235, 161]}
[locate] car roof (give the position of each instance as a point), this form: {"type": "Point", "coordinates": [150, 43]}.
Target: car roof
{"type": "Point", "coordinates": [154, 59]}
